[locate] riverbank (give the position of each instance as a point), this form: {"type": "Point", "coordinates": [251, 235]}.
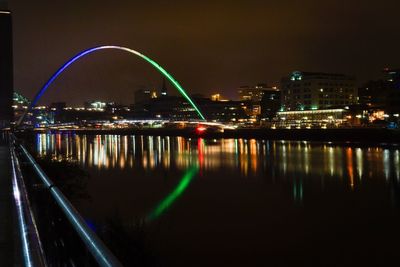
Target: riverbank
{"type": "Point", "coordinates": [364, 135]}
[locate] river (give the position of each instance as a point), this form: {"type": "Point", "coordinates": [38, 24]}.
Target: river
{"type": "Point", "coordinates": [238, 202]}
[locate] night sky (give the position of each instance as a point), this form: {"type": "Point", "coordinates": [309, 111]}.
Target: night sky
{"type": "Point", "coordinates": [208, 46]}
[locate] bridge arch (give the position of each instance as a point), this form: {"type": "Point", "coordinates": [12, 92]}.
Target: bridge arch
{"type": "Point", "coordinates": [86, 52]}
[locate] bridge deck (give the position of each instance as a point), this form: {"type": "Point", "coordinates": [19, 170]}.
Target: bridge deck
{"type": "Point", "coordinates": [8, 223]}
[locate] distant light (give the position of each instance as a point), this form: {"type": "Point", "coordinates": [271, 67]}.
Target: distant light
{"type": "Point", "coordinates": [201, 129]}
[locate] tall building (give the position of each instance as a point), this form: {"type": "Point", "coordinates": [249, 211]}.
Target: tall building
{"type": "Point", "coordinates": [270, 103]}
{"type": "Point", "coordinates": [6, 69]}
{"type": "Point", "coordinates": [383, 94]}
{"type": "Point", "coordinates": [374, 94]}
{"type": "Point", "coordinates": [393, 77]}
{"type": "Point", "coordinates": [314, 90]}
{"type": "Point", "coordinates": [252, 93]}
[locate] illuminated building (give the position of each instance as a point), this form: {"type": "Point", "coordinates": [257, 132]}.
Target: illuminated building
{"type": "Point", "coordinates": [252, 93]}
{"type": "Point", "coordinates": [20, 104]}
{"type": "Point", "coordinates": [326, 118]}
{"type": "Point", "coordinates": [170, 107]}
{"type": "Point", "coordinates": [392, 76]}
{"type": "Point", "coordinates": [96, 104]}
{"type": "Point", "coordinates": [255, 96]}
{"type": "Point", "coordinates": [216, 97]}
{"type": "Point", "coordinates": [393, 98]}
{"type": "Point", "coordinates": [6, 69]}
{"type": "Point", "coordinates": [314, 90]}
{"type": "Point", "coordinates": [177, 108]}
{"type": "Point", "coordinates": [382, 96]}
{"type": "Point", "coordinates": [224, 111]}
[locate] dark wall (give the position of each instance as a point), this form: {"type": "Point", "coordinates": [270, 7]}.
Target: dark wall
{"type": "Point", "coordinates": [6, 69]}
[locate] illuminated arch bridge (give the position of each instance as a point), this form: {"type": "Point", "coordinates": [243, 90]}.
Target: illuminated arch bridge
{"type": "Point", "coordinates": [121, 48]}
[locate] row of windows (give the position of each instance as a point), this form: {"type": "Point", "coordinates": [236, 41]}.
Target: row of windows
{"type": "Point", "coordinates": [321, 102]}
{"type": "Point", "coordinates": [308, 96]}
{"type": "Point", "coordinates": [335, 96]}
{"type": "Point", "coordinates": [307, 104]}
{"type": "Point", "coordinates": [336, 84]}
{"type": "Point", "coordinates": [308, 90]}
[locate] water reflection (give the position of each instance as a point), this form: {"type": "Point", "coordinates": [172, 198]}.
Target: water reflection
{"type": "Point", "coordinates": [251, 157]}
{"type": "Point", "coordinates": [172, 197]}
{"type": "Point", "coordinates": [231, 189]}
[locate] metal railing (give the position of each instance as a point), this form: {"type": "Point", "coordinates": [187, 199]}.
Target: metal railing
{"type": "Point", "coordinates": [96, 247]}
{"type": "Point", "coordinates": [32, 250]}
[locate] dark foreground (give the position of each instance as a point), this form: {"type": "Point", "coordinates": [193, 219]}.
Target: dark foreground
{"type": "Point", "coordinates": [8, 230]}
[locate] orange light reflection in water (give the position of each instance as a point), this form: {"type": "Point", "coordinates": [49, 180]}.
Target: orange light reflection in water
{"type": "Point", "coordinates": [250, 157]}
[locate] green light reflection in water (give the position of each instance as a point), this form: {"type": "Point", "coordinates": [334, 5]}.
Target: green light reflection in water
{"type": "Point", "coordinates": [173, 196]}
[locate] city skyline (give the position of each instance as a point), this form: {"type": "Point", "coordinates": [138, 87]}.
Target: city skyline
{"type": "Point", "coordinates": [199, 133]}
{"type": "Point", "coordinates": [208, 47]}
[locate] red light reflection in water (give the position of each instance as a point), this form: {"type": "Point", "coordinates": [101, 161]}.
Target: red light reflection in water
{"type": "Point", "coordinates": [58, 141]}
{"type": "Point", "coordinates": [200, 149]}
{"type": "Point", "coordinates": [350, 170]}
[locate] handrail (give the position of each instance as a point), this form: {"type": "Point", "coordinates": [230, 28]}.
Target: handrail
{"type": "Point", "coordinates": [100, 252]}
{"type": "Point", "coordinates": [32, 251]}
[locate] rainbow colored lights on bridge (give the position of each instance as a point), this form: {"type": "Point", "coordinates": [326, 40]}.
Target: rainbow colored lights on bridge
{"type": "Point", "coordinates": [121, 48]}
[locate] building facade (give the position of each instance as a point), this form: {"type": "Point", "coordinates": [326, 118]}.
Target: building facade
{"type": "Point", "coordinates": [270, 103]}
{"type": "Point", "coordinates": [252, 93]}
{"type": "Point", "coordinates": [261, 99]}
{"type": "Point", "coordinates": [314, 90]}
{"type": "Point", "coordinates": [6, 69]}
{"type": "Point", "coordinates": [393, 77]}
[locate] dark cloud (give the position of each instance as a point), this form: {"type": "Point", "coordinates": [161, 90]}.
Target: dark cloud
{"type": "Point", "coordinates": [207, 45]}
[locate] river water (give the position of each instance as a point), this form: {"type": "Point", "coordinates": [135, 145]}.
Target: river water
{"type": "Point", "coordinates": [236, 202]}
